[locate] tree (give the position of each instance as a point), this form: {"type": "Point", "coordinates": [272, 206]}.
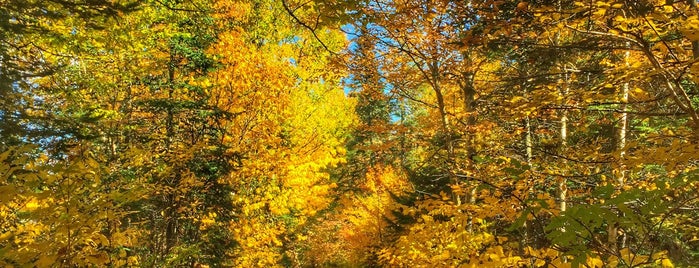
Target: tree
{"type": "Point", "coordinates": [355, 133]}
{"type": "Point", "coordinates": [33, 34]}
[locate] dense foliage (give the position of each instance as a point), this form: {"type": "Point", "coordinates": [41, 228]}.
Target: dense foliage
{"type": "Point", "coordinates": [359, 133]}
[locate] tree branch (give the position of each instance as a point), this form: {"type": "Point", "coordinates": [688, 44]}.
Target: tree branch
{"type": "Point", "coordinates": [311, 29]}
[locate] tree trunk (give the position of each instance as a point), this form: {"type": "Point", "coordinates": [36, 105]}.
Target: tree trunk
{"type": "Point", "coordinates": [612, 230]}
{"type": "Point", "coordinates": [562, 185]}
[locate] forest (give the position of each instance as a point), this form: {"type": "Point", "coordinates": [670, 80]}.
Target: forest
{"type": "Point", "coordinates": [349, 133]}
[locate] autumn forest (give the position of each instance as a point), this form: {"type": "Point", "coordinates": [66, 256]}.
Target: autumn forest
{"type": "Point", "coordinates": [353, 133]}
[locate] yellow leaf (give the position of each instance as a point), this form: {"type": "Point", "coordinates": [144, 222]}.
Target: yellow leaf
{"type": "Point", "coordinates": [539, 263]}
{"type": "Point", "coordinates": [594, 262]}
{"type": "Point", "coordinates": [45, 261]}
{"type": "Point", "coordinates": [32, 205]}
{"type": "Point", "coordinates": [666, 263]}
